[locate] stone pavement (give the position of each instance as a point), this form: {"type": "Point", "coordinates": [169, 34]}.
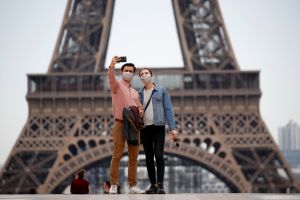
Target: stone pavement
{"type": "Point", "coordinates": [189, 196]}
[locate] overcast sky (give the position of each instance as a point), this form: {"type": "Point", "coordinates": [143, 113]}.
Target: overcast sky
{"type": "Point", "coordinates": [264, 35]}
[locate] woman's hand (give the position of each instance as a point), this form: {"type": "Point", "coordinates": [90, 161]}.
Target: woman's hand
{"type": "Point", "coordinates": [173, 134]}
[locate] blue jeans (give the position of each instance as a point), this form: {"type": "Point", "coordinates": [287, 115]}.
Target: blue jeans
{"type": "Point", "coordinates": [153, 139]}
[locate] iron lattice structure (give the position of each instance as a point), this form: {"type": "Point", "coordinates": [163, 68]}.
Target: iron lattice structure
{"type": "Point", "coordinates": [215, 103]}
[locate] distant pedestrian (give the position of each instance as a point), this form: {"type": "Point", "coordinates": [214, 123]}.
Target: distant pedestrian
{"type": "Point", "coordinates": [79, 184]}
{"type": "Point", "coordinates": [106, 187]}
{"type": "Point", "coordinates": [32, 191]}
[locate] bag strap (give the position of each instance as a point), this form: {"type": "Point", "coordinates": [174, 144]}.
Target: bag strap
{"type": "Point", "coordinates": [148, 101]}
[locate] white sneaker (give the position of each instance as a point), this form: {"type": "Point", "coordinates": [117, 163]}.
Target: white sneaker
{"type": "Point", "coordinates": [135, 190]}
{"type": "Point", "coordinates": [113, 189]}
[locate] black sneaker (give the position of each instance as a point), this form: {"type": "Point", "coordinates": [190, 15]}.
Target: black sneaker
{"type": "Point", "coordinates": [151, 190]}
{"type": "Point", "coordinates": [160, 189]}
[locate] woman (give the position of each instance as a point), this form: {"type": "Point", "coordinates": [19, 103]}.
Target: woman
{"type": "Point", "coordinates": [157, 112]}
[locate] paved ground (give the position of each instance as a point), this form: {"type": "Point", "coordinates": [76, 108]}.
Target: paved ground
{"type": "Point", "coordinates": [156, 197]}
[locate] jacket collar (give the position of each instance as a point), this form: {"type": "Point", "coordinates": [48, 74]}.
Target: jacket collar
{"type": "Point", "coordinates": [155, 87]}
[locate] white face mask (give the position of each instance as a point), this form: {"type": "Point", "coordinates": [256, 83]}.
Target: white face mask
{"type": "Point", "coordinates": [146, 78]}
{"type": "Point", "coordinates": [127, 76]}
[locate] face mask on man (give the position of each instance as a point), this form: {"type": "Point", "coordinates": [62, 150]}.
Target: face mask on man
{"type": "Point", "coordinates": [127, 76]}
{"type": "Point", "coordinates": [146, 78]}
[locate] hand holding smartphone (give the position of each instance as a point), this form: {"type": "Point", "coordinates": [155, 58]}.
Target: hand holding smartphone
{"type": "Point", "coordinates": [122, 59]}
{"type": "Point", "coordinates": [117, 59]}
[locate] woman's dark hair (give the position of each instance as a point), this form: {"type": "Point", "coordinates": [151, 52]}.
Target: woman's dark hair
{"type": "Point", "coordinates": [129, 65]}
{"type": "Point", "coordinates": [144, 69]}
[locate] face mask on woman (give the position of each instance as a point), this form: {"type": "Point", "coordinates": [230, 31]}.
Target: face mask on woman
{"type": "Point", "coordinates": [127, 76]}
{"type": "Point", "coordinates": [146, 78]}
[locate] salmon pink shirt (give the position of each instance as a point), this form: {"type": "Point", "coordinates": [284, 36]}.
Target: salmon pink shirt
{"type": "Point", "coordinates": [123, 95]}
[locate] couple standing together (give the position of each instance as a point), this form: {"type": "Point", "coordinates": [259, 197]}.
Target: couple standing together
{"type": "Point", "coordinates": [154, 105]}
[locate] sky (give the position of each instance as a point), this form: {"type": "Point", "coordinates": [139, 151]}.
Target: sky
{"type": "Point", "coordinates": [264, 35]}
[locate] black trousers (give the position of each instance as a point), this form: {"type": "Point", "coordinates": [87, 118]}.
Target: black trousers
{"type": "Point", "coordinates": [153, 139]}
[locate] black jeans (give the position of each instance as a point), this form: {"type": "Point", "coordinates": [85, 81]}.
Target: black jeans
{"type": "Point", "coordinates": [153, 139]}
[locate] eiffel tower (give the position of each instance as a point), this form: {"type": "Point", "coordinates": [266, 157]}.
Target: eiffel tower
{"type": "Point", "coordinates": [216, 105]}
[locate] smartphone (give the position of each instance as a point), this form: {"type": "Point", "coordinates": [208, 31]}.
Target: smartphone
{"type": "Point", "coordinates": [123, 59]}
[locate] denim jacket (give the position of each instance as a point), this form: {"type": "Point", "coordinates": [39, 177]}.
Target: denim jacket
{"type": "Point", "coordinates": [162, 107]}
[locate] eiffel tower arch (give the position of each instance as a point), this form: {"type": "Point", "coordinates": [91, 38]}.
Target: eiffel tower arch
{"type": "Point", "coordinates": [216, 106]}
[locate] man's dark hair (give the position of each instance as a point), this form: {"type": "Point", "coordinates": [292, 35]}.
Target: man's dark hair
{"type": "Point", "coordinates": [129, 65]}
{"type": "Point", "coordinates": [107, 183]}
{"type": "Point", "coordinates": [32, 191]}
{"type": "Point", "coordinates": [80, 173]}
{"type": "Point", "coordinates": [144, 69]}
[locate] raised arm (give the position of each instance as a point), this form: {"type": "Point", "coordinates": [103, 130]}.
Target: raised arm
{"type": "Point", "coordinates": [111, 75]}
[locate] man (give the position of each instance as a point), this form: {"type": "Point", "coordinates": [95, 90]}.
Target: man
{"type": "Point", "coordinates": [80, 185]}
{"type": "Point", "coordinates": [123, 95]}
{"type": "Point", "coordinates": [106, 187]}
{"type": "Point", "coordinates": [157, 112]}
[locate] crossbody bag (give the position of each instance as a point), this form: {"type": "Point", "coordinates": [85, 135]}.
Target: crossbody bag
{"type": "Point", "coordinates": [148, 101]}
